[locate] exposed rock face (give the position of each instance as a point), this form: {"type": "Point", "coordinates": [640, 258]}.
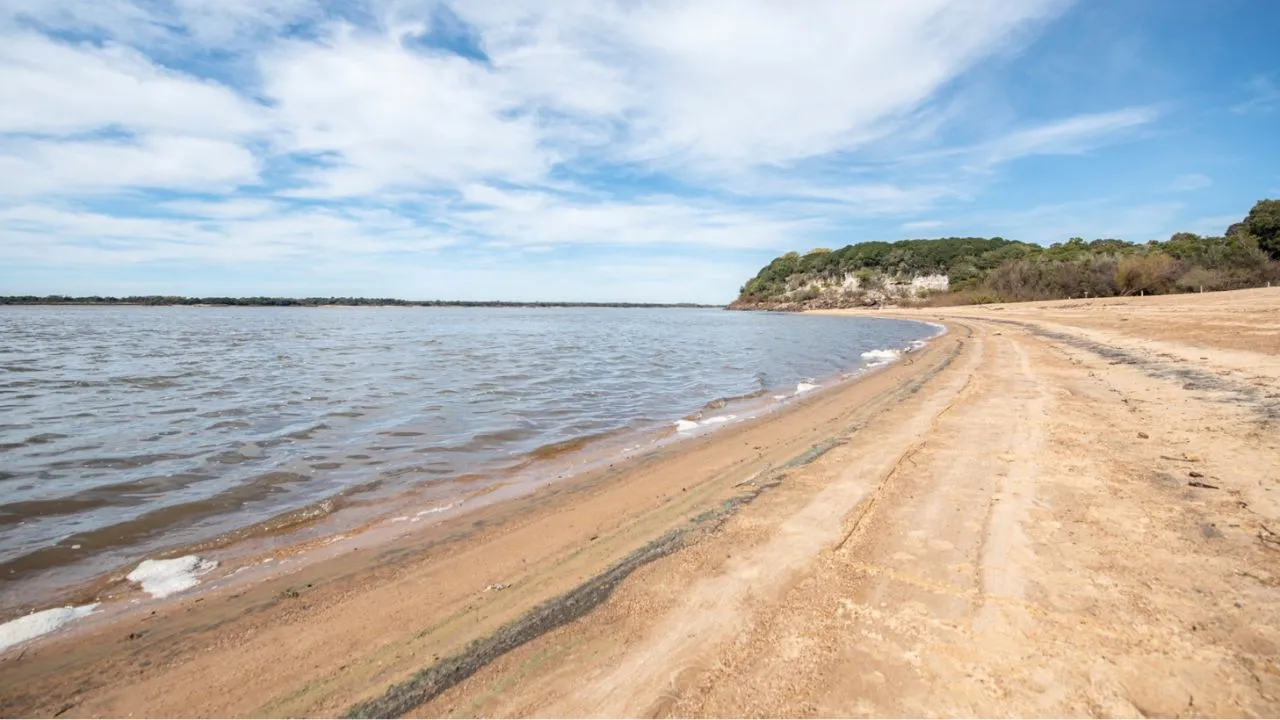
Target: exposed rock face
{"type": "Point", "coordinates": [805, 293]}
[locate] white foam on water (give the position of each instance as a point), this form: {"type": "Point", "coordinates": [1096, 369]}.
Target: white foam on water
{"type": "Point", "coordinates": [431, 511]}
{"type": "Point", "coordinates": [779, 397]}
{"type": "Point", "coordinates": [718, 419]}
{"type": "Point", "coordinates": [879, 357]}
{"type": "Point", "coordinates": [805, 387]}
{"type": "Point", "coordinates": [686, 425]}
{"type": "Point", "coordinates": [40, 623]}
{"type": "Point", "coordinates": [162, 578]}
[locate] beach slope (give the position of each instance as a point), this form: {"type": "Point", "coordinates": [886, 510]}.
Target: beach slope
{"type": "Point", "coordinates": [1063, 508]}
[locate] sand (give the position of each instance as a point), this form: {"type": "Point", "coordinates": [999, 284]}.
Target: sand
{"type": "Point", "coordinates": [1055, 509]}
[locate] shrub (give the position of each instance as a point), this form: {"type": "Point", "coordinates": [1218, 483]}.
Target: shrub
{"type": "Point", "coordinates": [1198, 278]}
{"type": "Point", "coordinates": [806, 294]}
{"type": "Point", "coordinates": [1151, 273]}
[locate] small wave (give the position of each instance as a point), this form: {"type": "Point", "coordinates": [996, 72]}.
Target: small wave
{"type": "Point", "coordinates": [432, 511]}
{"type": "Point", "coordinates": [804, 387]}
{"type": "Point", "coordinates": [556, 449]}
{"type": "Point", "coordinates": [155, 382]}
{"type": "Point", "coordinates": [43, 438]}
{"type": "Point", "coordinates": [686, 425]}
{"type": "Point", "coordinates": [118, 463]}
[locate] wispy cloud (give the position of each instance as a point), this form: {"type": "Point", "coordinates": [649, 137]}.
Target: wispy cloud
{"type": "Point", "coordinates": [1262, 95]}
{"type": "Point", "coordinates": [1066, 136]}
{"type": "Point", "coordinates": [1096, 218]}
{"type": "Point", "coordinates": [162, 162]}
{"type": "Point", "coordinates": [1190, 181]}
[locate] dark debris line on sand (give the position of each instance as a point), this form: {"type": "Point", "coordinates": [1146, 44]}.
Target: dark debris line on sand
{"type": "Point", "coordinates": [556, 612]}
{"type": "Point", "coordinates": [430, 682]}
{"type": "Point", "coordinates": [1235, 393]}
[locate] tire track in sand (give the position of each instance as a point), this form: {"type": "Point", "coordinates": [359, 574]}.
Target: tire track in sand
{"type": "Point", "coordinates": [648, 676]}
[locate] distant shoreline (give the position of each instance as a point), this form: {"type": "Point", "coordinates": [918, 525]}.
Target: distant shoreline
{"type": "Point", "coordinates": [172, 301]}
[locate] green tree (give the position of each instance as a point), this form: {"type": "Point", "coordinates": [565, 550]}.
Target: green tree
{"type": "Point", "coordinates": [1263, 223]}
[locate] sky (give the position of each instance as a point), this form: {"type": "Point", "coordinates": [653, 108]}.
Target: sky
{"type": "Point", "coordinates": [591, 150]}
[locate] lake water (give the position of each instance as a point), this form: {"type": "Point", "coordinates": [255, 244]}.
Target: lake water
{"type": "Point", "coordinates": [127, 431]}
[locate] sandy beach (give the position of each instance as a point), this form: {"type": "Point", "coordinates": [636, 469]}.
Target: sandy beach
{"type": "Point", "coordinates": [1065, 508]}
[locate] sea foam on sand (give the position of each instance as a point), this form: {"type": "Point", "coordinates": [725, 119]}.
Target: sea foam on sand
{"type": "Point", "coordinates": [39, 623]}
{"type": "Point", "coordinates": [880, 357]}
{"type": "Point", "coordinates": [163, 578]}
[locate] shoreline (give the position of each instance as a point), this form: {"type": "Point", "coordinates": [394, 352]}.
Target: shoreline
{"type": "Point", "coordinates": [354, 516]}
{"type": "Point", "coordinates": [643, 500]}
{"type": "Point", "coordinates": [996, 505]}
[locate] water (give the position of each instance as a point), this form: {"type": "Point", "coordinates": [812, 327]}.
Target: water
{"type": "Point", "coordinates": [128, 430]}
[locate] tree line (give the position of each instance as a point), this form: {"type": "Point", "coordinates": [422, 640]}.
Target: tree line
{"type": "Point", "coordinates": [996, 269]}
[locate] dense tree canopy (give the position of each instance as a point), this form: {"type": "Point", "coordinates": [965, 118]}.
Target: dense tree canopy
{"type": "Point", "coordinates": [1263, 223]}
{"type": "Point", "coordinates": [997, 268]}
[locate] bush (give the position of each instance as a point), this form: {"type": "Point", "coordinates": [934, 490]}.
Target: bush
{"type": "Point", "coordinates": [869, 279]}
{"type": "Point", "coordinates": [1198, 278]}
{"type": "Point", "coordinates": [806, 294]}
{"type": "Point", "coordinates": [1151, 273]}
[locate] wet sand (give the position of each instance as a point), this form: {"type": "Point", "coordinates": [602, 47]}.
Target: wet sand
{"type": "Point", "coordinates": [1055, 509]}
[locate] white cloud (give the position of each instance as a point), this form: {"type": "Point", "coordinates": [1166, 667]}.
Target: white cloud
{"type": "Point", "coordinates": [221, 23]}
{"type": "Point", "coordinates": [392, 118]}
{"type": "Point", "coordinates": [667, 125]}
{"type": "Point", "coordinates": [868, 199]}
{"type": "Point", "coordinates": [159, 162]}
{"type": "Point", "coordinates": [728, 83]}
{"type": "Point", "coordinates": [36, 232]}
{"type": "Point", "coordinates": [222, 210]}
{"type": "Point", "coordinates": [1068, 136]}
{"type": "Point", "coordinates": [47, 87]}
{"type": "Point", "coordinates": [528, 218]}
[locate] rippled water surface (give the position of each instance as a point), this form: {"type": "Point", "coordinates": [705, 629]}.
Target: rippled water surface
{"type": "Point", "coordinates": [126, 430]}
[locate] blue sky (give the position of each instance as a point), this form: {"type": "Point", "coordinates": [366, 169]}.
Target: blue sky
{"type": "Point", "coordinates": [594, 150]}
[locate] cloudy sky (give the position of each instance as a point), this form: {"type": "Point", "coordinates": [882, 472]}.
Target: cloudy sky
{"type": "Point", "coordinates": [599, 150]}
